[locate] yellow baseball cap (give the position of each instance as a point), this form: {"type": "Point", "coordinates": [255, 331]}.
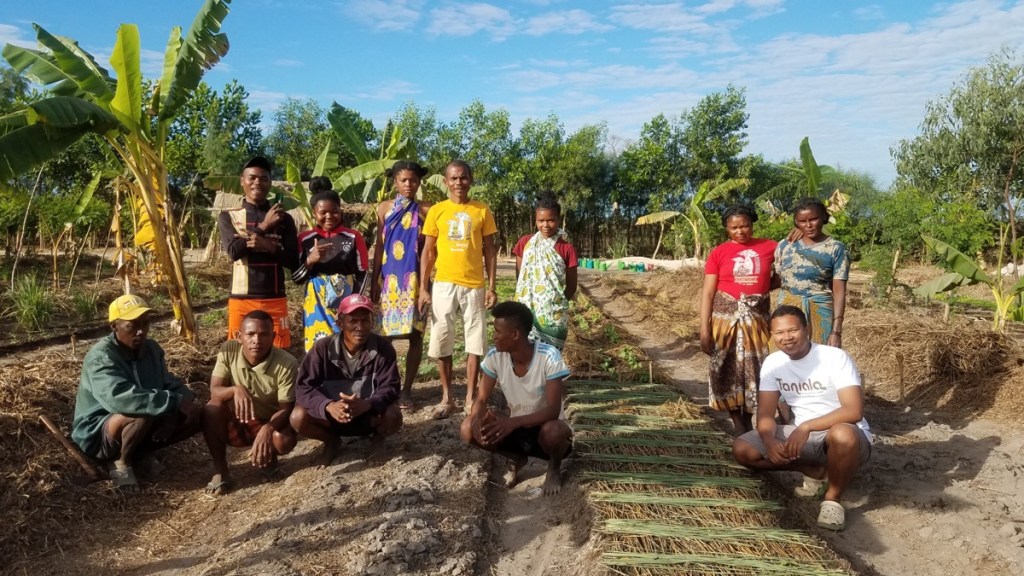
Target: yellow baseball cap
{"type": "Point", "coordinates": [127, 307]}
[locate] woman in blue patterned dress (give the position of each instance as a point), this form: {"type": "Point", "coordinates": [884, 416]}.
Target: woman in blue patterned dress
{"type": "Point", "coordinates": [814, 271]}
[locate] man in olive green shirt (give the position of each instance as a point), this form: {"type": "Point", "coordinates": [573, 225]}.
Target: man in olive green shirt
{"type": "Point", "coordinates": [252, 392]}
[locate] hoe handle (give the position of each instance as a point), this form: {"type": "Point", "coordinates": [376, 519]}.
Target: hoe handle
{"type": "Point", "coordinates": [90, 468]}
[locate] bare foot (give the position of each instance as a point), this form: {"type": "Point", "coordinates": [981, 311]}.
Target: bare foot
{"type": "Point", "coordinates": [378, 450]}
{"type": "Point", "coordinates": [512, 476]}
{"type": "Point", "coordinates": [553, 480]}
{"type": "Point", "coordinates": [219, 485]}
{"type": "Point", "coordinates": [328, 453]}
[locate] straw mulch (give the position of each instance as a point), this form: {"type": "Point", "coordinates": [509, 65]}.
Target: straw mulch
{"type": "Point", "coordinates": [667, 496]}
{"type": "Point", "coordinates": [43, 496]}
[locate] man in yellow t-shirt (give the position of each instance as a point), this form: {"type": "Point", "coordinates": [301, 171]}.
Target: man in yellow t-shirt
{"type": "Point", "coordinates": [459, 236]}
{"type": "Point", "coordinates": [252, 393]}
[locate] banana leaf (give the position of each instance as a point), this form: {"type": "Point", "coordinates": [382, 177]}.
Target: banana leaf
{"type": "Point", "coordinates": [657, 217]}
{"type": "Point", "coordinates": [358, 176]}
{"type": "Point", "coordinates": [198, 51]}
{"type": "Point", "coordinates": [127, 101]}
{"type": "Point", "coordinates": [956, 261]}
{"type": "Point", "coordinates": [943, 283]}
{"type": "Point", "coordinates": [42, 69]}
{"type": "Point", "coordinates": [46, 128]}
{"type": "Point", "coordinates": [80, 66]}
{"type": "Point", "coordinates": [811, 170]}
{"type": "Point", "coordinates": [85, 199]}
{"type": "Point", "coordinates": [348, 136]}
{"type": "Point", "coordinates": [328, 159]}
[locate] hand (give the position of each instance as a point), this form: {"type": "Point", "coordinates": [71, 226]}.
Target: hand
{"type": "Point", "coordinates": [796, 442]}
{"type": "Point", "coordinates": [425, 302]}
{"type": "Point", "coordinates": [496, 429]}
{"type": "Point", "coordinates": [777, 452]}
{"type": "Point", "coordinates": [476, 426]}
{"type": "Point", "coordinates": [319, 252]}
{"type": "Point", "coordinates": [835, 339]}
{"type": "Point", "coordinates": [261, 244]}
{"type": "Point", "coordinates": [490, 298]}
{"type": "Point", "coordinates": [795, 235]}
{"type": "Point", "coordinates": [262, 452]}
{"type": "Point", "coordinates": [273, 217]}
{"type": "Point", "coordinates": [339, 412]}
{"type": "Point", "coordinates": [244, 410]}
{"type": "Point", "coordinates": [356, 405]}
{"type": "Point", "coordinates": [707, 343]}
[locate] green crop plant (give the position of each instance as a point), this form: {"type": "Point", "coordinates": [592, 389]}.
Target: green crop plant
{"type": "Point", "coordinates": [33, 303]}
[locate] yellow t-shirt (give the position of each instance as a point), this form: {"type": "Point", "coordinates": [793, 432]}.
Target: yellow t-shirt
{"type": "Point", "coordinates": [270, 382]}
{"type": "Point", "coordinates": [460, 230]}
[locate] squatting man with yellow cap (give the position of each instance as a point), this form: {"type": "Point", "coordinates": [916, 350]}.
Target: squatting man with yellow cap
{"type": "Point", "coordinates": [128, 404]}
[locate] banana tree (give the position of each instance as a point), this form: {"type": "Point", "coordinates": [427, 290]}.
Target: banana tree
{"type": "Point", "coordinates": [708, 191]}
{"type": "Point", "coordinates": [85, 99]}
{"type": "Point", "coordinates": [966, 272]}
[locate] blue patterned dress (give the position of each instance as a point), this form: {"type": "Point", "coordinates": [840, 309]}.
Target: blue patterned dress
{"type": "Point", "coordinates": [807, 272]}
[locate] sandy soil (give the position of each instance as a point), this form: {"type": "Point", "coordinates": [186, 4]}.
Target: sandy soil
{"type": "Point", "coordinates": [942, 495]}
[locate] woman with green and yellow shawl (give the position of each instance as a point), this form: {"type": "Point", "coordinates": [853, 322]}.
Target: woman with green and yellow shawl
{"type": "Point", "coordinates": [546, 271]}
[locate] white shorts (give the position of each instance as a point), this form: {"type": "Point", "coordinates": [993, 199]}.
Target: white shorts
{"type": "Point", "coordinates": [447, 301]}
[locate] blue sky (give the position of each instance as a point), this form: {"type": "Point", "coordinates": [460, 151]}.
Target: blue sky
{"type": "Point", "coordinates": [855, 77]}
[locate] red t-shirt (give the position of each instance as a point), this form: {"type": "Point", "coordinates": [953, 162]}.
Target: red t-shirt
{"type": "Point", "coordinates": [743, 268]}
{"type": "Point", "coordinates": [564, 249]}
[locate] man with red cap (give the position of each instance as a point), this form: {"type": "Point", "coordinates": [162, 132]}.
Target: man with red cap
{"type": "Point", "coordinates": [348, 383]}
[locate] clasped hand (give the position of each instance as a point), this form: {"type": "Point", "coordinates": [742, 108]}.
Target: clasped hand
{"type": "Point", "coordinates": [490, 429]}
{"type": "Point", "coordinates": [347, 408]}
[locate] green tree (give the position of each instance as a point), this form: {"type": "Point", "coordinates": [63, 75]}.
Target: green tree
{"type": "Point", "coordinates": [651, 167]}
{"type": "Point", "coordinates": [85, 99]}
{"type": "Point", "coordinates": [971, 145]}
{"type": "Point", "coordinates": [712, 135]}
{"type": "Point", "coordinates": [300, 131]}
{"type": "Point", "coordinates": [14, 90]}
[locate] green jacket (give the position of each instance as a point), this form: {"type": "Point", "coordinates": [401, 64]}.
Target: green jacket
{"type": "Point", "coordinates": [115, 383]}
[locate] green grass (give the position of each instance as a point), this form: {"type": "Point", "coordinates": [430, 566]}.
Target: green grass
{"type": "Point", "coordinates": [85, 305]}
{"type": "Point", "coordinates": [32, 302]}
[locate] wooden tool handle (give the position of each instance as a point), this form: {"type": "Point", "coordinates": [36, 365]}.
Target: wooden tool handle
{"type": "Point", "coordinates": [88, 466]}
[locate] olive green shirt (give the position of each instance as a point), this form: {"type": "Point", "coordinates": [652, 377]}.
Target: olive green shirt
{"type": "Point", "coordinates": [270, 382]}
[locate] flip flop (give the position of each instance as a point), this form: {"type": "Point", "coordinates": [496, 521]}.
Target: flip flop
{"type": "Point", "coordinates": [219, 488]}
{"type": "Point", "coordinates": [443, 411]}
{"type": "Point", "coordinates": [407, 406]}
{"type": "Point", "coordinates": [124, 478]}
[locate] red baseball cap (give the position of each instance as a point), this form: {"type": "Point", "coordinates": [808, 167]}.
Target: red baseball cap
{"type": "Point", "coordinates": [354, 302]}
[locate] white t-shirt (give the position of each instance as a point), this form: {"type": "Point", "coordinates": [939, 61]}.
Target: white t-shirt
{"type": "Point", "coordinates": [809, 385]}
{"type": "Point", "coordinates": [525, 394]}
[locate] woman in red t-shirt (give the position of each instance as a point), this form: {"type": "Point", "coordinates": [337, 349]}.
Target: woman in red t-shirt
{"type": "Point", "coordinates": [734, 315]}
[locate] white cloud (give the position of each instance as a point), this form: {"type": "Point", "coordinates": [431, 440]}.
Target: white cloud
{"type": "Point", "coordinates": [389, 91]}
{"type": "Point", "coordinates": [869, 12]}
{"type": "Point", "coordinates": [268, 101]}
{"type": "Point", "coordinates": [660, 17]}
{"type": "Point", "coordinates": [465, 19]}
{"type": "Point", "coordinates": [288, 63]}
{"type": "Point", "coordinates": [566, 22]}
{"type": "Point", "coordinates": [10, 34]}
{"type": "Point", "coordinates": [385, 15]}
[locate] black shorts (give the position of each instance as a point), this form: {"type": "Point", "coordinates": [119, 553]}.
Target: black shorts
{"type": "Point", "coordinates": [110, 447]}
{"type": "Point", "coordinates": [525, 441]}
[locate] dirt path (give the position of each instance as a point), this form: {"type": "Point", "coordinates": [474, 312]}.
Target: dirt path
{"type": "Point", "coordinates": [940, 497]}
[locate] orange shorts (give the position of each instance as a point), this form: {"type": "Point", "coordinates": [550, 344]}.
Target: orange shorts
{"type": "Point", "coordinates": [276, 307]}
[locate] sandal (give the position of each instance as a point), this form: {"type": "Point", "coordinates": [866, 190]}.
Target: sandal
{"type": "Point", "coordinates": [124, 480]}
{"type": "Point", "coordinates": [832, 515]}
{"type": "Point", "coordinates": [407, 405]}
{"type": "Point", "coordinates": [220, 487]}
{"type": "Point", "coordinates": [443, 411]}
